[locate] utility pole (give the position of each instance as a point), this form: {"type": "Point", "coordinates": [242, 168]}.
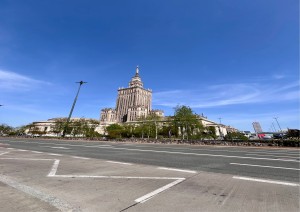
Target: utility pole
{"type": "Point", "coordinates": [220, 131]}
{"type": "Point", "coordinates": [278, 123]}
{"type": "Point", "coordinates": [70, 114]}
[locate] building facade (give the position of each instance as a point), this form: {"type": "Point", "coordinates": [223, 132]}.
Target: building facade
{"type": "Point", "coordinates": [135, 102]}
{"type": "Point", "coordinates": [132, 103]}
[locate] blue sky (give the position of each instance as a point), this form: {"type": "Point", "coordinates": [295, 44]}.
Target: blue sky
{"type": "Point", "coordinates": [235, 60]}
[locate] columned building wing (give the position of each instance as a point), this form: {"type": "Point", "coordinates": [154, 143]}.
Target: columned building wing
{"type": "Point", "coordinates": [134, 101]}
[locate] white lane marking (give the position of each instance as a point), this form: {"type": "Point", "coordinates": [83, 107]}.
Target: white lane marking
{"type": "Point", "coordinates": [22, 150]}
{"type": "Point", "coordinates": [271, 151]}
{"type": "Point", "coordinates": [80, 157]}
{"type": "Point", "coordinates": [36, 152]}
{"type": "Point", "coordinates": [118, 177]}
{"type": "Point", "coordinates": [55, 147]}
{"type": "Point", "coordinates": [139, 200]}
{"type": "Point", "coordinates": [109, 161]}
{"type": "Point", "coordinates": [142, 199]}
{"type": "Point", "coordinates": [275, 153]}
{"type": "Point", "coordinates": [179, 170]}
{"type": "Point", "coordinates": [103, 145]}
{"type": "Point", "coordinates": [24, 159]}
{"type": "Point", "coordinates": [278, 156]}
{"type": "Point", "coordinates": [272, 167]}
{"type": "Point", "coordinates": [54, 154]}
{"type": "Point", "coordinates": [3, 153]}
{"type": "Point", "coordinates": [265, 181]}
{"type": "Point", "coordinates": [59, 147]}
{"type": "Point", "coordinates": [255, 149]}
{"type": "Point", "coordinates": [157, 191]}
{"type": "Point", "coordinates": [54, 168]}
{"type": "Point", "coordinates": [52, 200]}
{"type": "Point", "coordinates": [200, 154]}
{"type": "Point", "coordinates": [10, 148]}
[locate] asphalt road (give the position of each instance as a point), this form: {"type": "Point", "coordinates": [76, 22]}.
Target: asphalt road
{"type": "Point", "coordinates": [266, 163]}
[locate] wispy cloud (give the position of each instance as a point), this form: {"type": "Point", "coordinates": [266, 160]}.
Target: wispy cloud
{"type": "Point", "coordinates": [228, 94]}
{"type": "Point", "coordinates": [11, 81]}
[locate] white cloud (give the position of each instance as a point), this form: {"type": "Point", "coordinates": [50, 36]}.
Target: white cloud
{"type": "Point", "coordinates": [11, 81]}
{"type": "Point", "coordinates": [278, 76]}
{"type": "Point", "coordinates": [228, 94]}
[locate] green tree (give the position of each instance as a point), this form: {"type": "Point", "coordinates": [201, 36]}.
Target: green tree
{"type": "Point", "coordinates": [88, 128]}
{"type": "Point", "coordinates": [36, 131]}
{"type": "Point", "coordinates": [293, 133]}
{"type": "Point", "coordinates": [211, 132]}
{"type": "Point", "coordinates": [235, 136]}
{"type": "Point", "coordinates": [21, 130]}
{"type": "Point", "coordinates": [5, 129]}
{"type": "Point", "coordinates": [114, 131]}
{"type": "Point", "coordinates": [58, 126]}
{"type": "Point", "coordinates": [77, 126]}
{"type": "Point", "coordinates": [185, 122]}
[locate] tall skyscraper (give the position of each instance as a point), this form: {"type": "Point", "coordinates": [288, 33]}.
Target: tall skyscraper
{"type": "Point", "coordinates": [132, 103]}
{"type": "Point", "coordinates": [257, 127]}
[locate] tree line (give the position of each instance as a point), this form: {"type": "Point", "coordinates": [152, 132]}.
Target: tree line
{"type": "Point", "coordinates": [184, 125]}
{"type": "Point", "coordinates": [76, 128]}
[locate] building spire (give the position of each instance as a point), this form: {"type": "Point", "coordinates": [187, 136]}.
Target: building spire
{"type": "Point", "coordinates": [137, 70]}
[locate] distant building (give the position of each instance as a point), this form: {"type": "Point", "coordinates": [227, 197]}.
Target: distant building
{"type": "Point", "coordinates": [48, 127]}
{"type": "Point", "coordinates": [257, 128]}
{"type": "Point", "coordinates": [132, 103]}
{"type": "Point", "coordinates": [135, 102]}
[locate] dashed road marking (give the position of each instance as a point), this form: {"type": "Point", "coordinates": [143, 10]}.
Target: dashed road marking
{"type": "Point", "coordinates": [80, 157]}
{"type": "Point", "coordinates": [59, 147]}
{"type": "Point", "coordinates": [200, 154]}
{"type": "Point", "coordinates": [277, 156]}
{"type": "Point", "coordinates": [54, 154]}
{"type": "Point", "coordinates": [36, 152]}
{"type": "Point", "coordinates": [272, 167]}
{"type": "Point", "coordinates": [22, 150]}
{"type": "Point", "coordinates": [109, 161]}
{"type": "Point", "coordinates": [3, 153]}
{"type": "Point", "coordinates": [265, 181]}
{"type": "Point", "coordinates": [178, 170]}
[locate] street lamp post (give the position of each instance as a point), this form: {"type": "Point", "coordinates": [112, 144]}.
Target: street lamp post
{"type": "Point", "coordinates": [220, 131]}
{"type": "Point", "coordinates": [70, 114]}
{"type": "Point", "coordinates": [278, 123]}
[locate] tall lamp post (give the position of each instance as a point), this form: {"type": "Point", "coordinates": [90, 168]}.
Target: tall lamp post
{"type": "Point", "coordinates": [220, 131]}
{"type": "Point", "coordinates": [70, 114]}
{"type": "Point", "coordinates": [278, 123]}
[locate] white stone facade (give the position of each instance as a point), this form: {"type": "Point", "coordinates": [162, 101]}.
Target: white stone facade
{"type": "Point", "coordinates": [132, 103]}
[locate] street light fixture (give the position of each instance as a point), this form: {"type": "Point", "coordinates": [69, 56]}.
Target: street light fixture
{"type": "Point", "coordinates": [220, 131]}
{"type": "Point", "coordinates": [70, 114]}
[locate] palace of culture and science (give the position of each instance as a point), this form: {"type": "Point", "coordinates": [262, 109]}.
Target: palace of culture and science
{"type": "Point", "coordinates": [135, 102]}
{"type": "Point", "coordinates": [132, 103]}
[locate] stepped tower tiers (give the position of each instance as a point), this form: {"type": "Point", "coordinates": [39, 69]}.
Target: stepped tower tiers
{"type": "Point", "coordinates": [134, 101]}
